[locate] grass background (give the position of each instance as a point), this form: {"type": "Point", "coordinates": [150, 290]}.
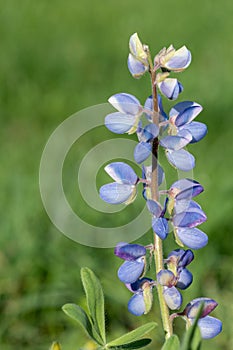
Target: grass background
{"type": "Point", "coordinates": [56, 58]}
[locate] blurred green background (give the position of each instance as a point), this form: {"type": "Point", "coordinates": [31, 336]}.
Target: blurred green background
{"type": "Point", "coordinates": [56, 58]}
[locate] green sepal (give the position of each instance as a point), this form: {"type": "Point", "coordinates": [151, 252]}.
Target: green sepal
{"type": "Point", "coordinates": [172, 343]}
{"type": "Point", "coordinates": [148, 298]}
{"type": "Point", "coordinates": [95, 301]}
{"type": "Point", "coordinates": [133, 345]}
{"type": "Point", "coordinates": [79, 315]}
{"type": "Point", "coordinates": [133, 336]}
{"type": "Point", "coordinates": [170, 205]}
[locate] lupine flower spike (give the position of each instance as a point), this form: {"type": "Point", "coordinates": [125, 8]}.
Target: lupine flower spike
{"type": "Point", "coordinates": [173, 210]}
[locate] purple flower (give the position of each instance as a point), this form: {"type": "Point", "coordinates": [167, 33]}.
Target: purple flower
{"type": "Point", "coordinates": [192, 237]}
{"type": "Point", "coordinates": [136, 304]}
{"type": "Point", "coordinates": [128, 115]}
{"type": "Point", "coordinates": [136, 67]}
{"type": "Point", "coordinates": [134, 265]}
{"type": "Point", "coordinates": [145, 135]}
{"type": "Point", "coordinates": [181, 159]}
{"type": "Point", "coordinates": [186, 213]}
{"type": "Point", "coordinates": [190, 218]}
{"type": "Point", "coordinates": [138, 57]}
{"type": "Point", "coordinates": [191, 308]}
{"type": "Point", "coordinates": [128, 251]}
{"type": "Point", "coordinates": [183, 113]}
{"type": "Point", "coordinates": [176, 276]}
{"type": "Point", "coordinates": [171, 88]}
{"type": "Point", "coordinates": [181, 117]}
{"type": "Point", "coordinates": [209, 326]}
{"type": "Point", "coordinates": [176, 142]}
{"type": "Point", "coordinates": [182, 131]}
{"type": "Point", "coordinates": [185, 189]}
{"type": "Point", "coordinates": [177, 261]}
{"type": "Point", "coordinates": [131, 271]}
{"type": "Point", "coordinates": [141, 302]}
{"type": "Point", "coordinates": [172, 59]}
{"type": "Point", "coordinates": [149, 107]}
{"type": "Point", "coordinates": [123, 190]}
{"type": "Point", "coordinates": [172, 297]}
{"type": "Point", "coordinates": [159, 223]}
{"type": "Point", "coordinates": [180, 258]}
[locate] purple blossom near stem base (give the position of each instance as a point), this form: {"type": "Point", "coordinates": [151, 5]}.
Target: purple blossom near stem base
{"type": "Point", "coordinates": [209, 326]}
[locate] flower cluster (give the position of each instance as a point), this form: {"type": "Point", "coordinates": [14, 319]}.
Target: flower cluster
{"type": "Point", "coordinates": [172, 209]}
{"type": "Point", "coordinates": [176, 276]}
{"type": "Point", "coordinates": [178, 130]}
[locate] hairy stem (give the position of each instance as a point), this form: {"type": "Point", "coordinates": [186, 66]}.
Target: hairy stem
{"type": "Point", "coordinates": [158, 245]}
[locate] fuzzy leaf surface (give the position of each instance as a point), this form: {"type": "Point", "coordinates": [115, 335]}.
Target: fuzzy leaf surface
{"type": "Point", "coordinates": [95, 300]}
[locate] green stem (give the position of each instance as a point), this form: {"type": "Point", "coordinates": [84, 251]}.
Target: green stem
{"type": "Point", "coordinates": [158, 245]}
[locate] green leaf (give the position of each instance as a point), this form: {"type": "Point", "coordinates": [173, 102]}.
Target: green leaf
{"type": "Point", "coordinates": [79, 315]}
{"type": "Point", "coordinates": [192, 339]}
{"type": "Point", "coordinates": [133, 345]}
{"type": "Point", "coordinates": [134, 335]}
{"type": "Point", "coordinates": [95, 300]}
{"type": "Point", "coordinates": [197, 340]}
{"type": "Point", "coordinates": [172, 343]}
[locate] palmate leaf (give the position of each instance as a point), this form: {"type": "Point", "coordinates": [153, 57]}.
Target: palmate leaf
{"type": "Point", "coordinates": [95, 301]}
{"type": "Point", "coordinates": [79, 315]}
{"type": "Point", "coordinates": [192, 338]}
{"type": "Point", "coordinates": [132, 336]}
{"type": "Point", "coordinates": [172, 343]}
{"type": "Point", "coordinates": [94, 324]}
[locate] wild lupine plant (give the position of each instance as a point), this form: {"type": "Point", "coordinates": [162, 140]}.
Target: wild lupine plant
{"type": "Point", "coordinates": [172, 209]}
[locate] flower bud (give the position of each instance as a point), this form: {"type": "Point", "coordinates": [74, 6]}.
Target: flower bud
{"type": "Point", "coordinates": [137, 49]}
{"type": "Point", "coordinates": [186, 258]}
{"type": "Point", "coordinates": [171, 88]}
{"type": "Point", "coordinates": [166, 278]}
{"type": "Point", "coordinates": [55, 346]}
{"type": "Point", "coordinates": [175, 60]}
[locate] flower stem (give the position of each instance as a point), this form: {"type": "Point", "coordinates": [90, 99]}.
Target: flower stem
{"type": "Point", "coordinates": [158, 245]}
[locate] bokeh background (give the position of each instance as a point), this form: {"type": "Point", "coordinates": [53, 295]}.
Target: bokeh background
{"type": "Point", "coordinates": [56, 58]}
